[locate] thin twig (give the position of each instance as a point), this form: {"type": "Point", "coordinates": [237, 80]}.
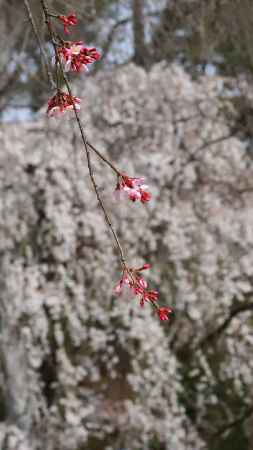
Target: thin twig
{"type": "Point", "coordinates": [43, 54]}
{"type": "Point", "coordinates": [106, 160]}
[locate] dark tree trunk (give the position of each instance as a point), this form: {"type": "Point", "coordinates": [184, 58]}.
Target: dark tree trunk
{"type": "Point", "coordinates": [140, 48]}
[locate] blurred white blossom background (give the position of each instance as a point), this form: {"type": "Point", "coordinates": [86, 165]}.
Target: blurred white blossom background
{"type": "Point", "coordinates": [80, 369]}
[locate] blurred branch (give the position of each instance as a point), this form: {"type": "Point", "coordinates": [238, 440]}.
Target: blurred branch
{"type": "Point", "coordinates": [247, 413]}
{"type": "Point", "coordinates": [37, 35]}
{"type": "Point", "coordinates": [13, 77]}
{"type": "Point", "coordinates": [110, 37]}
{"type": "Point", "coordinates": [221, 328]}
{"type": "Point", "coordinates": [10, 82]}
{"type": "Point", "coordinates": [192, 157]}
{"type": "Point", "coordinates": [107, 44]}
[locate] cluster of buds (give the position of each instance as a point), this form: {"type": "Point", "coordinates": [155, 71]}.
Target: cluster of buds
{"type": "Point", "coordinates": [132, 188]}
{"type": "Point", "coordinates": [138, 286]}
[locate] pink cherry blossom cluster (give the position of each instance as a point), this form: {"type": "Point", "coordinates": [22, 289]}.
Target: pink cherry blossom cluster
{"type": "Point", "coordinates": [132, 188]}
{"type": "Point", "coordinates": [74, 56]}
{"type": "Point", "coordinates": [62, 102]}
{"type": "Point", "coordinates": [138, 286]}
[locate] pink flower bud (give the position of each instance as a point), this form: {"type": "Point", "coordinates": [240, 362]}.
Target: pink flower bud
{"type": "Point", "coordinates": [69, 20]}
{"type": "Point", "coordinates": [164, 313]}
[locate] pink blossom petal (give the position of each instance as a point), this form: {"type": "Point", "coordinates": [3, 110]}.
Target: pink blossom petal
{"type": "Point", "coordinates": [143, 283]}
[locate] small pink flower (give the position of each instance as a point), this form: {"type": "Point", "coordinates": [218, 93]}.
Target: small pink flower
{"type": "Point", "coordinates": [164, 313]}
{"type": "Point", "coordinates": [133, 194]}
{"type": "Point", "coordinates": [68, 21]}
{"type": "Point", "coordinates": [75, 56]}
{"type": "Point", "coordinates": [62, 102]}
{"type": "Point", "coordinates": [123, 281]}
{"type": "Point", "coordinates": [133, 188]}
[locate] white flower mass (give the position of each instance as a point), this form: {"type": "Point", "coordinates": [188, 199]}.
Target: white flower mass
{"type": "Point", "coordinates": [80, 368]}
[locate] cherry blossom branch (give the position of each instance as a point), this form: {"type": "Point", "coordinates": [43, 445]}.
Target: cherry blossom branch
{"type": "Point", "coordinates": [84, 140]}
{"type": "Point", "coordinates": [73, 55]}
